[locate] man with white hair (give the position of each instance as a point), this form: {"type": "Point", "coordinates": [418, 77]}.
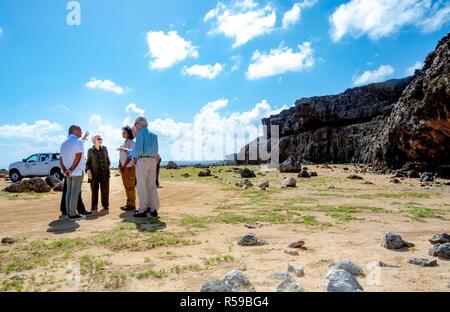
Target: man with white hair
{"type": "Point", "coordinates": [146, 156]}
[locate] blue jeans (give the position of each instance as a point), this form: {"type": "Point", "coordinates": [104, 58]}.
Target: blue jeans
{"type": "Point", "coordinates": [73, 192]}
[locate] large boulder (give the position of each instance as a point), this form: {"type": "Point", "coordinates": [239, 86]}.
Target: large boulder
{"type": "Point", "coordinates": [292, 165]}
{"type": "Point", "coordinates": [394, 241]}
{"type": "Point", "coordinates": [440, 239]}
{"type": "Point", "coordinates": [440, 250]}
{"type": "Point", "coordinates": [341, 281]}
{"type": "Point", "coordinates": [36, 185]}
{"type": "Point", "coordinates": [216, 286]}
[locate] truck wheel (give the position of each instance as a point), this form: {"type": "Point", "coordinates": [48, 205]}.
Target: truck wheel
{"type": "Point", "coordinates": [15, 176]}
{"type": "Point", "coordinates": [56, 172]}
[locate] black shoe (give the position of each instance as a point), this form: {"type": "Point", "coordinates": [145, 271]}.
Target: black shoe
{"type": "Point", "coordinates": [149, 210]}
{"type": "Point", "coordinates": [86, 213]}
{"type": "Point", "coordinates": [77, 217]}
{"type": "Point", "coordinates": [106, 208]}
{"type": "Point", "coordinates": [140, 215]}
{"type": "Point", "coordinates": [154, 214]}
{"type": "Point", "coordinates": [128, 208]}
{"type": "Point", "coordinates": [94, 209]}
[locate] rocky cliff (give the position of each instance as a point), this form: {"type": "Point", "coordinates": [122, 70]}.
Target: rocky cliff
{"type": "Point", "coordinates": [387, 124]}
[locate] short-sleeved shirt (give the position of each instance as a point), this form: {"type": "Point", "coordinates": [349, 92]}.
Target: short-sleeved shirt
{"type": "Point", "coordinates": [124, 155]}
{"type": "Point", "coordinates": [69, 149]}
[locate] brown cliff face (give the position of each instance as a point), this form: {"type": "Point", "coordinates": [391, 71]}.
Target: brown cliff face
{"type": "Point", "coordinates": [418, 129]}
{"type": "Point", "coordinates": [387, 124]}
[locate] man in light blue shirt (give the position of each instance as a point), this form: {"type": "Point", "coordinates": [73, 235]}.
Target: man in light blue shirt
{"type": "Point", "coordinates": [145, 153]}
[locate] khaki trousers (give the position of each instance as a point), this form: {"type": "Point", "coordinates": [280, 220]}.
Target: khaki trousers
{"type": "Point", "coordinates": [129, 183]}
{"type": "Point", "coordinates": [146, 184]}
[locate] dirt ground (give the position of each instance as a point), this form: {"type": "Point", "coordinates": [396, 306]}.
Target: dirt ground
{"type": "Point", "coordinates": [201, 220]}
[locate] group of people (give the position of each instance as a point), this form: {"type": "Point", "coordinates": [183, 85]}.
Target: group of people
{"type": "Point", "coordinates": [139, 167]}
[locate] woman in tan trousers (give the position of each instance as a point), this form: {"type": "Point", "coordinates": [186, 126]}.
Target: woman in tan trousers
{"type": "Point", "coordinates": [127, 169]}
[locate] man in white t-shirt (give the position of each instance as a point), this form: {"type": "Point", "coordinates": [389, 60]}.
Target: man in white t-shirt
{"type": "Point", "coordinates": [73, 165]}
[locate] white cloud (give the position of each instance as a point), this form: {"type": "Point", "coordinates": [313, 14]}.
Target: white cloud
{"type": "Point", "coordinates": [377, 75]}
{"type": "Point", "coordinates": [1, 31]}
{"type": "Point", "coordinates": [437, 18]}
{"type": "Point", "coordinates": [95, 120]}
{"type": "Point", "coordinates": [133, 111]}
{"type": "Point", "coordinates": [237, 60]}
{"type": "Point", "coordinates": [293, 16]}
{"type": "Point", "coordinates": [105, 85]}
{"type": "Point", "coordinates": [203, 71]}
{"type": "Point", "coordinates": [40, 137]}
{"type": "Point", "coordinates": [242, 20]}
{"type": "Point", "coordinates": [211, 135]}
{"type": "Point", "coordinates": [168, 49]}
{"type": "Point", "coordinates": [410, 70]}
{"type": "Point", "coordinates": [383, 18]}
{"type": "Point", "coordinates": [280, 61]}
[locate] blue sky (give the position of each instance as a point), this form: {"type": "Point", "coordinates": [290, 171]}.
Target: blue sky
{"type": "Point", "coordinates": [192, 64]}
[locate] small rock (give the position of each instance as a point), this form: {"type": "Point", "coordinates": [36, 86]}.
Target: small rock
{"type": "Point", "coordinates": [59, 187]}
{"type": "Point", "coordinates": [304, 174]}
{"type": "Point", "coordinates": [171, 165]}
{"type": "Point", "coordinates": [395, 181]}
{"type": "Point", "coordinates": [423, 262]}
{"type": "Point", "coordinates": [185, 175]}
{"type": "Point", "coordinates": [427, 177]}
{"type": "Point", "coordinates": [245, 183]}
{"type": "Point", "coordinates": [441, 251]}
{"type": "Point", "coordinates": [413, 174]}
{"type": "Point", "coordinates": [290, 286]}
{"type": "Point", "coordinates": [355, 177]}
{"type": "Point", "coordinates": [394, 241]}
{"type": "Point", "coordinates": [367, 183]}
{"type": "Point", "coordinates": [20, 277]}
{"type": "Point", "coordinates": [242, 267]}
{"type": "Point", "coordinates": [331, 187]}
{"type": "Point", "coordinates": [247, 173]}
{"type": "Point", "coordinates": [264, 185]}
{"type": "Point", "coordinates": [442, 238]}
{"type": "Point", "coordinates": [341, 281]}
{"type": "Point", "coordinates": [253, 225]}
{"type": "Point", "coordinates": [206, 173]}
{"type": "Point", "coordinates": [289, 182]}
{"type": "Point", "coordinates": [297, 244]}
{"type": "Point", "coordinates": [52, 181]}
{"type": "Point", "coordinates": [251, 240]}
{"type": "Point", "coordinates": [279, 276]}
{"type": "Point", "coordinates": [297, 269]}
{"type": "Point", "coordinates": [292, 252]}
{"type": "Point", "coordinates": [8, 241]}
{"type": "Point", "coordinates": [314, 174]}
{"type": "Point", "coordinates": [348, 266]}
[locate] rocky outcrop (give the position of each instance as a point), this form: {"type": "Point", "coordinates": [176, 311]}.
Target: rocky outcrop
{"type": "Point", "coordinates": [418, 129]}
{"type": "Point", "coordinates": [394, 123]}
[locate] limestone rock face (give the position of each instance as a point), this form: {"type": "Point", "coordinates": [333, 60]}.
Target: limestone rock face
{"type": "Point", "coordinates": [397, 123]}
{"type": "Point", "coordinates": [418, 129]}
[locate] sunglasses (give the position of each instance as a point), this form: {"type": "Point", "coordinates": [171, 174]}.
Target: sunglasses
{"type": "Point", "coordinates": [99, 139]}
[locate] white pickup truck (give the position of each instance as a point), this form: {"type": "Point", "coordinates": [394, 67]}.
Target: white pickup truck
{"type": "Point", "coordinates": [37, 165]}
